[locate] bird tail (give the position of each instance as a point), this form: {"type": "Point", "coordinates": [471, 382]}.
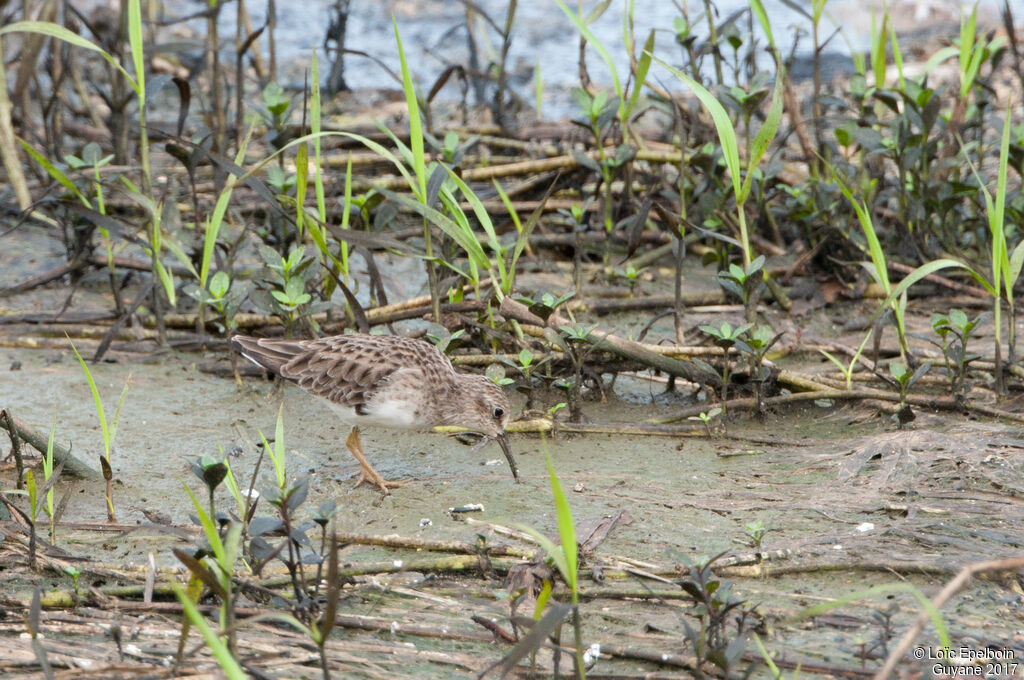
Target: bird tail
{"type": "Point", "coordinates": [266, 353]}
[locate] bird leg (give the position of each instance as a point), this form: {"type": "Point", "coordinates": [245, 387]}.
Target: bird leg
{"type": "Point", "coordinates": [366, 472]}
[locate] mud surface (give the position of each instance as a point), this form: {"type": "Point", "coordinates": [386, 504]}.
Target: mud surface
{"type": "Point", "coordinates": [864, 521]}
{"type": "Point", "coordinates": [849, 501]}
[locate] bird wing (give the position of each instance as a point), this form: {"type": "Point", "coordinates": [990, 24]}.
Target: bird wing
{"type": "Point", "coordinates": [268, 354]}
{"type": "Point", "coordinates": [350, 369]}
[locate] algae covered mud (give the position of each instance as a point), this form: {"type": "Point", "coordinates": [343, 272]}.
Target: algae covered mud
{"type": "Point", "coordinates": [760, 343]}
{"type": "Point", "coordinates": [838, 504]}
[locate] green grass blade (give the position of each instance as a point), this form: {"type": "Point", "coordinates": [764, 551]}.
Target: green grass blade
{"type": "Point", "coordinates": [220, 651]}
{"type": "Point", "coordinates": [542, 599]}
{"type": "Point", "coordinates": [278, 452]}
{"type": "Point", "coordinates": [897, 58]}
{"type": "Point", "coordinates": [996, 217]}
{"type": "Point", "coordinates": [997, 222]}
{"type": "Point", "coordinates": [762, 18]}
{"type": "Point", "coordinates": [968, 31]}
{"type": "Point", "coordinates": [117, 413]}
{"type": "Point", "coordinates": [566, 529]}
{"type": "Point", "coordinates": [874, 247]}
{"type": "Point", "coordinates": [930, 268]}
{"type": "Point", "coordinates": [56, 173]}
{"type": "Point", "coordinates": [592, 40]}
{"type": "Point", "coordinates": [345, 214]}
{"type": "Point", "coordinates": [232, 484]}
{"type": "Point", "coordinates": [33, 500]}
{"type": "Point", "coordinates": [314, 121]}
{"type": "Point", "coordinates": [179, 253]}
{"type": "Point", "coordinates": [385, 153]}
{"type": "Point", "coordinates": [834, 360]}
{"type": "Point", "coordinates": [723, 124]}
{"type": "Point", "coordinates": [403, 149]}
{"type": "Point", "coordinates": [61, 33]}
{"type": "Point", "coordinates": [776, 673]}
{"type": "Point", "coordinates": [96, 399]}
{"type": "Point", "coordinates": [468, 242]}
{"type": "Point", "coordinates": [167, 279]}
{"type": "Point", "coordinates": [415, 124]}
{"type": "Point", "coordinates": [209, 527]}
{"type": "Point", "coordinates": [522, 238]}
{"type": "Point", "coordinates": [215, 220]}
{"type": "Point", "coordinates": [484, 220]}
{"type": "Point", "coordinates": [538, 90]}
{"type": "Point", "coordinates": [138, 51]}
{"type": "Point", "coordinates": [878, 40]}
{"type": "Point", "coordinates": [554, 551]}
{"type": "Point", "coordinates": [766, 134]}
{"type": "Point", "coordinates": [942, 55]}
{"type": "Point", "coordinates": [48, 473]}
{"type": "Point", "coordinates": [1014, 268]}
{"type": "Point", "coordinates": [642, 67]}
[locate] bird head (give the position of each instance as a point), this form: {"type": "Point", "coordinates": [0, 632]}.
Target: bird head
{"type": "Point", "coordinates": [487, 408]}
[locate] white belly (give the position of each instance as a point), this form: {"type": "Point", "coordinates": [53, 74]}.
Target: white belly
{"type": "Point", "coordinates": [400, 414]}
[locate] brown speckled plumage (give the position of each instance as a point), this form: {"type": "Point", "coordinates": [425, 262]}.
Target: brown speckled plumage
{"type": "Point", "coordinates": [385, 380]}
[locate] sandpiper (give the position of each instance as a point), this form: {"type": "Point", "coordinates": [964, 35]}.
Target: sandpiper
{"type": "Point", "coordinates": [387, 381]}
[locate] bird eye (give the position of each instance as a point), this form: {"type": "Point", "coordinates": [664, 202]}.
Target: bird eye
{"type": "Point", "coordinates": [499, 412]}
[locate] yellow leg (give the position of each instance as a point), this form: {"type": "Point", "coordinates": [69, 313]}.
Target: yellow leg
{"type": "Point", "coordinates": [366, 472]}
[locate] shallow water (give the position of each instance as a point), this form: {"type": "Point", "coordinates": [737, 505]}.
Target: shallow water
{"type": "Point", "coordinates": [434, 37]}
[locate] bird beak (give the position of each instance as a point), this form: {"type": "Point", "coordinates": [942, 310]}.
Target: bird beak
{"type": "Point", "coordinates": [502, 440]}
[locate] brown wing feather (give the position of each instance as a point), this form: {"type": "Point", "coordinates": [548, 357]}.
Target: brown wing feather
{"type": "Point", "coordinates": [345, 369]}
{"type": "Point", "coordinates": [268, 354]}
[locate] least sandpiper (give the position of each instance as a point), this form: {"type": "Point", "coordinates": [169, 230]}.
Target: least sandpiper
{"type": "Point", "coordinates": [387, 381]}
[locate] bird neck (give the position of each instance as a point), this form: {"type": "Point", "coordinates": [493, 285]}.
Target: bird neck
{"type": "Point", "coordinates": [450, 409]}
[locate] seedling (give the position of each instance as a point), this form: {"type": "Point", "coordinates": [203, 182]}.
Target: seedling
{"type": "Point", "coordinates": [451, 148]}
{"type": "Point", "coordinates": [741, 184]}
{"type": "Point", "coordinates": [577, 218]}
{"type": "Point", "coordinates": [225, 297]}
{"type": "Point", "coordinates": [556, 408]}
{"type": "Point", "coordinates": [632, 276]}
{"type": "Point", "coordinates": [35, 495]}
{"type": "Point", "coordinates": [725, 336]}
{"type": "Point", "coordinates": [217, 573]}
{"type": "Point", "coordinates": [281, 183]}
{"type": "Point", "coordinates": [291, 298]}
{"type": "Point", "coordinates": [92, 158]}
{"type": "Point", "coordinates": [847, 370]}
{"type": "Point", "coordinates": [707, 418]}
{"type": "Point", "coordinates": [50, 476]}
{"type": "Point", "coordinates": [755, 532]}
{"type": "Point", "coordinates": [211, 472]}
{"type": "Point", "coordinates": [545, 305]}
{"type": "Point", "coordinates": [903, 379]}
{"type": "Point", "coordinates": [109, 429]}
{"type": "Point", "coordinates": [954, 331]}
{"type": "Point", "coordinates": [572, 339]}
{"type": "Point", "coordinates": [277, 104]}
{"type": "Point", "coordinates": [74, 573]}
{"type": "Point", "coordinates": [282, 288]}
{"type": "Point", "coordinates": [443, 339]}
{"type": "Point", "coordinates": [527, 366]}
{"type": "Point", "coordinates": [566, 559]}
{"type": "Point", "coordinates": [756, 345]}
{"type": "Point", "coordinates": [743, 282]}
{"type": "Point", "coordinates": [319, 628]}
{"type": "Point", "coordinates": [716, 608]}
{"type": "Point", "coordinates": [496, 372]}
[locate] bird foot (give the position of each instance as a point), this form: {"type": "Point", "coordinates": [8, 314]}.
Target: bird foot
{"type": "Point", "coordinates": [371, 476]}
